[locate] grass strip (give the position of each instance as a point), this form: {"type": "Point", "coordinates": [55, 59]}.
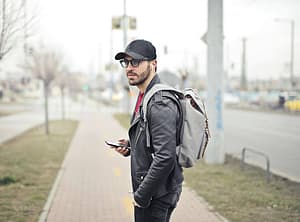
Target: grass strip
{"type": "Point", "coordinates": [242, 196]}
{"type": "Point", "coordinates": [28, 167]}
{"type": "Point", "coordinates": [245, 195]}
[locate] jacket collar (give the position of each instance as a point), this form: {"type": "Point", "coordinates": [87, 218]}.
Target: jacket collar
{"type": "Point", "coordinates": [154, 81]}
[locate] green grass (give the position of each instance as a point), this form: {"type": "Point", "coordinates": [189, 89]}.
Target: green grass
{"type": "Point", "coordinates": [242, 196]}
{"type": "Point", "coordinates": [28, 167]}
{"type": "Point", "coordinates": [245, 195]}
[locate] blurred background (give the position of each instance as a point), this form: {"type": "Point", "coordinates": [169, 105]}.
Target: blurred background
{"type": "Point", "coordinates": [260, 46]}
{"type": "Point", "coordinates": [63, 50]}
{"type": "Point", "coordinates": [242, 56]}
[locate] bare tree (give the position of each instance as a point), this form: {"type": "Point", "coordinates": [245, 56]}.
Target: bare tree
{"type": "Point", "coordinates": [45, 65]}
{"type": "Point", "coordinates": [62, 82]}
{"type": "Point", "coordinates": [14, 24]}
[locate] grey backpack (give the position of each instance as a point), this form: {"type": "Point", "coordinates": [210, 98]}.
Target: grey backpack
{"type": "Point", "coordinates": [194, 131]}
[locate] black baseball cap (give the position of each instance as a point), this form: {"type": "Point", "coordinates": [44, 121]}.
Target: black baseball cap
{"type": "Point", "coordinates": [138, 49]}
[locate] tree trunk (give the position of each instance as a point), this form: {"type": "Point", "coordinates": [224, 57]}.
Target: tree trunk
{"type": "Point", "coordinates": [62, 102]}
{"type": "Point", "coordinates": [46, 108]}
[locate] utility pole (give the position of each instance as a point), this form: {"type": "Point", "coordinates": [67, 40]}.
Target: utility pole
{"type": "Point", "coordinates": [293, 83]}
{"type": "Point", "coordinates": [292, 23]}
{"type": "Point", "coordinates": [126, 86]}
{"type": "Point", "coordinates": [215, 153]}
{"type": "Point", "coordinates": [244, 65]}
{"type": "Point", "coordinates": [125, 23]}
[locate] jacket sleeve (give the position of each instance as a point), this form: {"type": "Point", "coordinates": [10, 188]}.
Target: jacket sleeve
{"type": "Point", "coordinates": [162, 126]}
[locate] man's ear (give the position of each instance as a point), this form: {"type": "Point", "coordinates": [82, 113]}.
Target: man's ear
{"type": "Point", "coordinates": [154, 64]}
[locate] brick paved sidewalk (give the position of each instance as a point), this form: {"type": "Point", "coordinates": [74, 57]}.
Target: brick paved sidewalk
{"type": "Point", "coordinates": [94, 182]}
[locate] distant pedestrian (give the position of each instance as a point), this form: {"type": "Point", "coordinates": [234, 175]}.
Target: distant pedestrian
{"type": "Point", "coordinates": [156, 175]}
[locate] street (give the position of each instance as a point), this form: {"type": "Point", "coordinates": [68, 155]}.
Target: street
{"type": "Point", "coordinates": [276, 135]}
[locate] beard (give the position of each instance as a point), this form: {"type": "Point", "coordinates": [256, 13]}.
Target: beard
{"type": "Point", "coordinates": [141, 78]}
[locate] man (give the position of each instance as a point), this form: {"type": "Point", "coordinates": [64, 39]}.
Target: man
{"type": "Point", "coordinates": [156, 175]}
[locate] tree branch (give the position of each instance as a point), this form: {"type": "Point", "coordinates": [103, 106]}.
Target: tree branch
{"type": "Point", "coordinates": [13, 24]}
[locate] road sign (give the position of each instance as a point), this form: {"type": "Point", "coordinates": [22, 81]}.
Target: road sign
{"type": "Point", "coordinates": [117, 23]}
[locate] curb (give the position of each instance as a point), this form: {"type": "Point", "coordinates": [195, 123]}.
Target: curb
{"type": "Point", "coordinates": [46, 209]}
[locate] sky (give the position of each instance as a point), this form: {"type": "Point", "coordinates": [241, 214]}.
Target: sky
{"type": "Point", "coordinates": [82, 29]}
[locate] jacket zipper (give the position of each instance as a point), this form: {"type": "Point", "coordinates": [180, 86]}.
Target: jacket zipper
{"type": "Point", "coordinates": [138, 136]}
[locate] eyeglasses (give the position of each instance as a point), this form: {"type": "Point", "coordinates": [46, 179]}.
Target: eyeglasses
{"type": "Point", "coordinates": [133, 62]}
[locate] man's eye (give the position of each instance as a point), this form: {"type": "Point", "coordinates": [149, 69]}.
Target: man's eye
{"type": "Point", "coordinates": [134, 62]}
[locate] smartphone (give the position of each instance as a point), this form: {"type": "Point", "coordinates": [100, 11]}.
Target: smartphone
{"type": "Point", "coordinates": [114, 144]}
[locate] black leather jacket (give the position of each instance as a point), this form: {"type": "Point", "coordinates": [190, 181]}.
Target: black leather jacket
{"type": "Point", "coordinates": [155, 171]}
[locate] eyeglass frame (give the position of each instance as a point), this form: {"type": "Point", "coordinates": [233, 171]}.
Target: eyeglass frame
{"type": "Point", "coordinates": [131, 61]}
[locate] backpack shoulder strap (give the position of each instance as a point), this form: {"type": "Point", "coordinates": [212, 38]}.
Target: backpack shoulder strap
{"type": "Point", "coordinates": [151, 92]}
{"type": "Point", "coordinates": [147, 97]}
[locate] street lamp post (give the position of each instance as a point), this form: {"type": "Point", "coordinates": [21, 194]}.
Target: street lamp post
{"type": "Point", "coordinates": [292, 24]}
{"type": "Point", "coordinates": [125, 28]}
{"type": "Point", "coordinates": [125, 23]}
{"type": "Point", "coordinates": [292, 51]}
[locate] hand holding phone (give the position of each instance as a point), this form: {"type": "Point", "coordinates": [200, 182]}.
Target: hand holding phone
{"type": "Point", "coordinates": [121, 146]}
{"type": "Point", "coordinates": [114, 144]}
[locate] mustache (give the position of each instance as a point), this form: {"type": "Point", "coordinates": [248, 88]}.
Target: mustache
{"type": "Point", "coordinates": [131, 72]}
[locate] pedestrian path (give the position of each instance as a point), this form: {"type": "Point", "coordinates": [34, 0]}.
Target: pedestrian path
{"type": "Point", "coordinates": [94, 182]}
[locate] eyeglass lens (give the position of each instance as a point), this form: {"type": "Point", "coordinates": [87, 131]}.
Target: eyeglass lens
{"type": "Point", "coordinates": [133, 62]}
